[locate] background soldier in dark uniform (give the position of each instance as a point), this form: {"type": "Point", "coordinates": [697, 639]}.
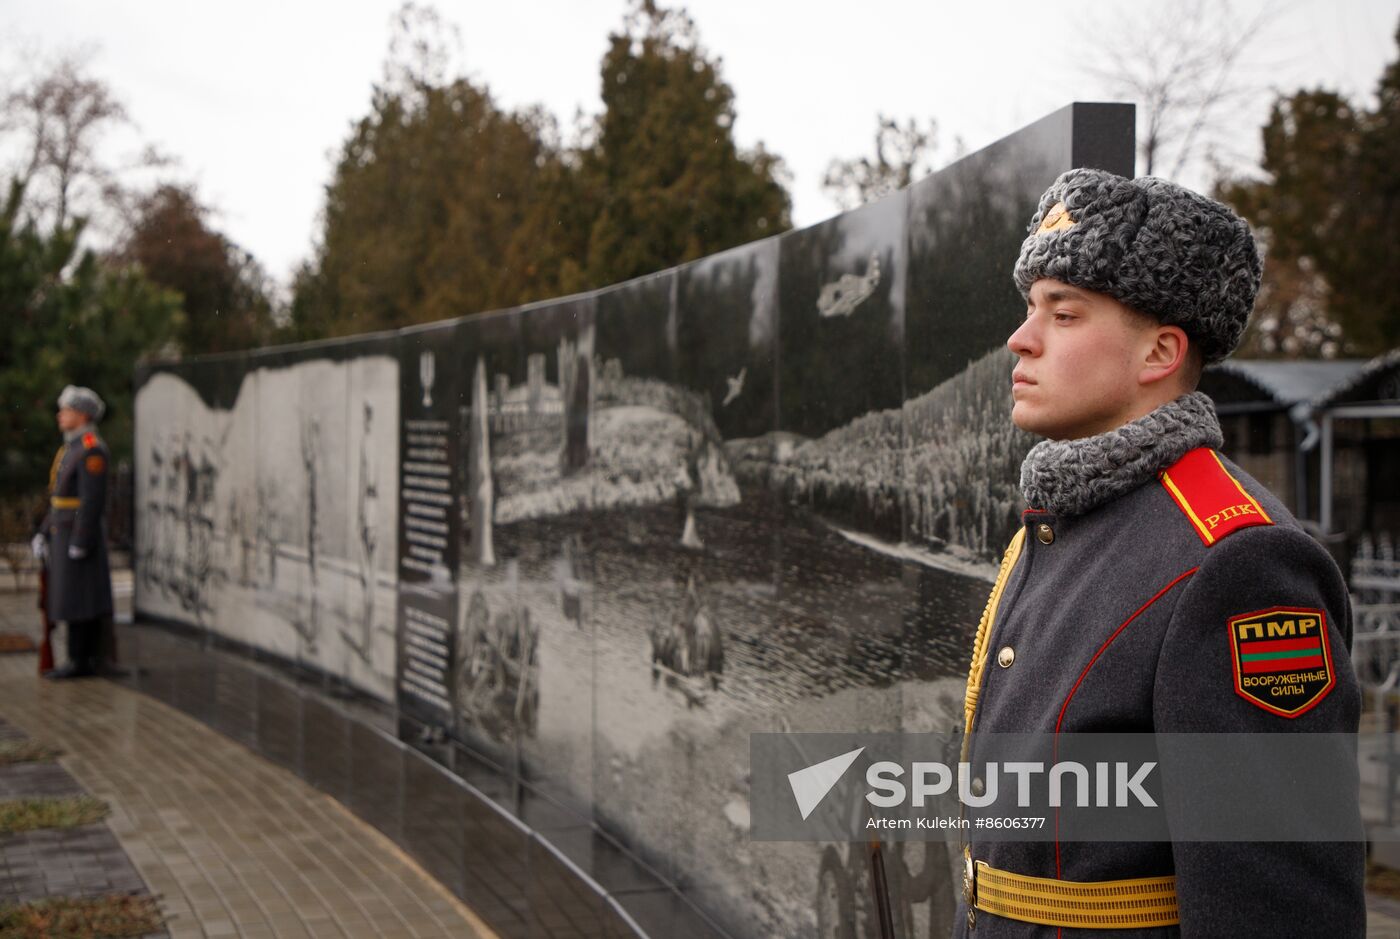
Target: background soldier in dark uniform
{"type": "Point", "coordinates": [73, 535]}
{"type": "Point", "coordinates": [1153, 586]}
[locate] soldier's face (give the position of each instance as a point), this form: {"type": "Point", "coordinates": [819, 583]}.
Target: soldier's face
{"type": "Point", "coordinates": [1080, 362]}
{"type": "Point", "coordinates": [69, 419]}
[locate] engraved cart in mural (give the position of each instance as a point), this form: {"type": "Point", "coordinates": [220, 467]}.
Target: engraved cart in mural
{"type": "Point", "coordinates": [922, 899]}
{"type": "Point", "coordinates": [497, 681]}
{"type": "Point", "coordinates": [689, 645]}
{"type": "Point", "coordinates": [919, 890]}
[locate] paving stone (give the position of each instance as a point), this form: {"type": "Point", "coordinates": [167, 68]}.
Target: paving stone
{"type": "Point", "coordinates": [30, 780]}
{"type": "Point", "coordinates": [78, 862]}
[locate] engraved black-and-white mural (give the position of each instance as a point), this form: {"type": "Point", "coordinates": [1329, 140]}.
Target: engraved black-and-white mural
{"type": "Point", "coordinates": [601, 540]}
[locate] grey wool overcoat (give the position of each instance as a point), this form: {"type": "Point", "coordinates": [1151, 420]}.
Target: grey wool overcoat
{"type": "Point", "coordinates": [1147, 614]}
{"type": "Point", "coordinates": [79, 588]}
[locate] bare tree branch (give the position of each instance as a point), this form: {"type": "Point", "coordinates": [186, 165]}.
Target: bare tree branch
{"type": "Point", "coordinates": [57, 125]}
{"type": "Point", "coordinates": [902, 153]}
{"type": "Point", "coordinates": [425, 51]}
{"type": "Point", "coordinates": [1182, 62]}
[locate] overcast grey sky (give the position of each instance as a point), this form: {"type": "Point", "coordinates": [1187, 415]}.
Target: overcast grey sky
{"type": "Point", "coordinates": [254, 98]}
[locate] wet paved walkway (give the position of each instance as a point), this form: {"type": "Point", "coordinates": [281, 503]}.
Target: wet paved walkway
{"type": "Point", "coordinates": [231, 844]}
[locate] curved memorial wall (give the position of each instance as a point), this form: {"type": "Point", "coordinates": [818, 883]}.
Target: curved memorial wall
{"type": "Point", "coordinates": [575, 553]}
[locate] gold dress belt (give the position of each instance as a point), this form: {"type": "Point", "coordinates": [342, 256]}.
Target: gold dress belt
{"type": "Point", "coordinates": [1098, 904]}
{"type": "Point", "coordinates": [65, 502]}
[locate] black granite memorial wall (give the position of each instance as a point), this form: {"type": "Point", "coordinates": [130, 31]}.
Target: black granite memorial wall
{"type": "Point", "coordinates": [518, 587]}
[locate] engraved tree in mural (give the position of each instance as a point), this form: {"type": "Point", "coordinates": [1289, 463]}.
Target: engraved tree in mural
{"type": "Point", "coordinates": [150, 532]}
{"type": "Point", "coordinates": [950, 458]}
{"type": "Point", "coordinates": [367, 538]}
{"type": "Point", "coordinates": [308, 626]}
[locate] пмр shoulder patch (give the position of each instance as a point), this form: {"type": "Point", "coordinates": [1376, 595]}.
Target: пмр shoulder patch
{"type": "Point", "coordinates": [1212, 499]}
{"type": "Point", "coordinates": [1282, 660]}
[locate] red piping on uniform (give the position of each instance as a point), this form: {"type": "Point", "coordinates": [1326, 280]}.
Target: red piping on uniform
{"type": "Point", "coordinates": [1064, 707]}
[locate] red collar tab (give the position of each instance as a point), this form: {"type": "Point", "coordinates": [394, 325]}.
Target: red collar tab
{"type": "Point", "coordinates": [1212, 500]}
{"type": "Point", "coordinates": [89, 440]}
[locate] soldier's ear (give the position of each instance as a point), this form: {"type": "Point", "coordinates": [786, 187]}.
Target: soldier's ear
{"type": "Point", "coordinates": [1165, 354]}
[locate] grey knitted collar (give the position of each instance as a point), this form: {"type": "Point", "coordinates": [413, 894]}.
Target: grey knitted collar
{"type": "Point", "coordinates": [1071, 477]}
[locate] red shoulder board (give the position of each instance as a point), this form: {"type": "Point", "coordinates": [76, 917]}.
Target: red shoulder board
{"type": "Point", "coordinates": [89, 440]}
{"type": "Point", "coordinates": [1210, 497]}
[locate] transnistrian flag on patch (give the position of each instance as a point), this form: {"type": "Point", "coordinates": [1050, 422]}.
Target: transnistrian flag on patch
{"type": "Point", "coordinates": [1282, 661]}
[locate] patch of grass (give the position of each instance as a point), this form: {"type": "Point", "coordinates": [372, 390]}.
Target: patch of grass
{"type": "Point", "coordinates": [67, 812]}
{"type": "Point", "coordinates": [27, 751]}
{"type": "Point", "coordinates": [63, 918]}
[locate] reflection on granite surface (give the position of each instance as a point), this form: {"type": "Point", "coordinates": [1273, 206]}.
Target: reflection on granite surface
{"type": "Point", "coordinates": [433, 801]}
{"type": "Point", "coordinates": [279, 723]}
{"type": "Point", "coordinates": [325, 755]}
{"type": "Point", "coordinates": [376, 780]}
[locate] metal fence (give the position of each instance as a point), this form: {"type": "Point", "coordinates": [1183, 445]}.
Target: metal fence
{"type": "Point", "coordinates": [1375, 593]}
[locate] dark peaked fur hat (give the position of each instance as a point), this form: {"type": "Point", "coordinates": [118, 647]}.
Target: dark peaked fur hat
{"type": "Point", "coordinates": [1163, 250]}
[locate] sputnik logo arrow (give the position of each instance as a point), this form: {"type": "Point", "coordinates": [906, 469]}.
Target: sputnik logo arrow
{"type": "Point", "coordinates": [810, 785]}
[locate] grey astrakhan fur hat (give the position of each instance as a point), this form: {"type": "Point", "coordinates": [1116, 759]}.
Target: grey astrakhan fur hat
{"type": "Point", "coordinates": [84, 400]}
{"type": "Point", "coordinates": [1163, 250]}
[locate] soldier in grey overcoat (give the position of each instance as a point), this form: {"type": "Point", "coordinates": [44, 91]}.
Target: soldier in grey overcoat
{"type": "Point", "coordinates": [1152, 587]}
{"type": "Point", "coordinates": [73, 535]}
